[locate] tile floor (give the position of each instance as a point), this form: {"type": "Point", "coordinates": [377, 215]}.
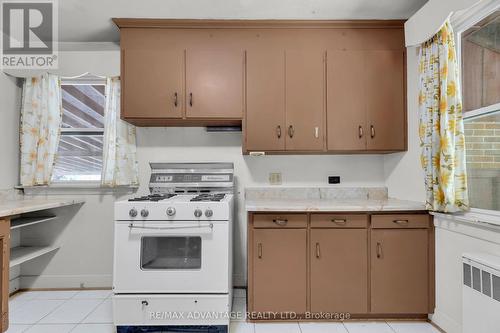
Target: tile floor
{"type": "Point", "coordinates": [90, 312]}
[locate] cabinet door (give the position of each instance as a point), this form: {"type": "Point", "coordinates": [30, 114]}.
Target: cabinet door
{"type": "Point", "coordinates": [399, 271]}
{"type": "Point", "coordinates": [279, 270]}
{"type": "Point", "coordinates": [4, 276]}
{"type": "Point", "coordinates": [214, 84]}
{"type": "Point", "coordinates": [339, 270]}
{"type": "Point", "coordinates": [385, 100]}
{"type": "Point", "coordinates": [346, 113]}
{"type": "Point", "coordinates": [265, 101]}
{"type": "Point", "coordinates": [305, 99]}
{"type": "Point", "coordinates": [152, 83]}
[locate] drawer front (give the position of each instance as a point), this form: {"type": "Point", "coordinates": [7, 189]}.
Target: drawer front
{"type": "Point", "coordinates": [280, 220]}
{"type": "Point", "coordinates": [339, 221]}
{"type": "Point", "coordinates": [408, 221]}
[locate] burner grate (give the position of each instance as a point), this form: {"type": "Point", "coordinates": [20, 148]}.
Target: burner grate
{"type": "Point", "coordinates": [209, 197]}
{"type": "Point", "coordinates": [153, 197]}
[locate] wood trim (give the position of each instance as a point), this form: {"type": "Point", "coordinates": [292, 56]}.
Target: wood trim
{"type": "Point", "coordinates": [255, 24]}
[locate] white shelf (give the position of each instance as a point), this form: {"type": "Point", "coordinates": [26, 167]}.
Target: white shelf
{"type": "Point", "coordinates": [21, 254]}
{"type": "Point", "coordinates": [26, 221]}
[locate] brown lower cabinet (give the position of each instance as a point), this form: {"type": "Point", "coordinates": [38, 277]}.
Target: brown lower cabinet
{"type": "Point", "coordinates": [367, 265]}
{"type": "Point", "coordinates": [279, 270]}
{"type": "Point", "coordinates": [4, 276]}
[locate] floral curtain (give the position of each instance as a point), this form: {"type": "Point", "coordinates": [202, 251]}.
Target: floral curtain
{"type": "Point", "coordinates": [41, 116]}
{"type": "Point", "coordinates": [119, 147]}
{"type": "Point", "coordinates": [441, 124]}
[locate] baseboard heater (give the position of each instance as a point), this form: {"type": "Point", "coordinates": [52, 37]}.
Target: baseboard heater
{"type": "Point", "coordinates": [481, 293]}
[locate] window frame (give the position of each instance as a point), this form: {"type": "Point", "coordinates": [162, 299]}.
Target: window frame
{"type": "Point", "coordinates": [461, 22]}
{"type": "Point", "coordinates": [82, 80]}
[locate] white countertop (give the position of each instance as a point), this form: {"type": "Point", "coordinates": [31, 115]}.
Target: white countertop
{"type": "Point", "coordinates": [15, 206]}
{"type": "Point", "coordinates": [331, 205]}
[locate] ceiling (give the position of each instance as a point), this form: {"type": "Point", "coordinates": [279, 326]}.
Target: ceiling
{"type": "Point", "coordinates": [90, 20]}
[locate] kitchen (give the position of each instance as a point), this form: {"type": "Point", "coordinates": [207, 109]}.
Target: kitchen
{"type": "Point", "coordinates": [286, 164]}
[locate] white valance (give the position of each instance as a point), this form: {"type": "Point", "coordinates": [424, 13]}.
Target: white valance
{"type": "Point", "coordinates": [429, 19]}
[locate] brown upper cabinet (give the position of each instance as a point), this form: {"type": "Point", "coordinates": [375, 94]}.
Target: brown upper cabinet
{"type": "Point", "coordinates": [366, 100]}
{"type": "Point", "coordinates": [294, 86]}
{"type": "Point", "coordinates": [214, 84]}
{"type": "Point", "coordinates": [265, 103]}
{"type": "Point", "coordinates": [153, 83]}
{"type": "Point", "coordinates": [285, 100]}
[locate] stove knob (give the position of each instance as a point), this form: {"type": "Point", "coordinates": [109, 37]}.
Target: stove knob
{"type": "Point", "coordinates": [144, 213]}
{"type": "Point", "coordinates": [132, 212]}
{"type": "Point", "coordinates": [198, 212]}
{"type": "Point", "coordinates": [170, 211]}
{"type": "Point", "coordinates": [209, 213]}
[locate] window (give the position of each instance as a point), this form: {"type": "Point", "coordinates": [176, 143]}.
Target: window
{"type": "Point", "coordinates": [79, 156]}
{"type": "Point", "coordinates": [480, 56]}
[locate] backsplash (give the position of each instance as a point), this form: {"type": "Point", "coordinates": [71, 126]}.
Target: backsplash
{"type": "Point", "coordinates": [349, 193]}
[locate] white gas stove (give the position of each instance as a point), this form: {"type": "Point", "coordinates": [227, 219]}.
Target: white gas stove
{"type": "Point", "coordinates": [173, 258]}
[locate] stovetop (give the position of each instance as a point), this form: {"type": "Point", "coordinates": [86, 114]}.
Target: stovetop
{"type": "Point", "coordinates": [170, 198]}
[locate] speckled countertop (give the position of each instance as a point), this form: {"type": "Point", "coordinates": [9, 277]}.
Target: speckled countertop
{"type": "Point", "coordinates": [319, 199]}
{"type": "Point", "coordinates": [18, 205]}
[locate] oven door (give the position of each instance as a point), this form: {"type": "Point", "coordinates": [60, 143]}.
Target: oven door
{"type": "Point", "coordinates": [171, 257]}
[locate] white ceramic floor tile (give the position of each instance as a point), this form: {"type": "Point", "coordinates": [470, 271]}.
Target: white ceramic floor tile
{"type": "Point", "coordinates": [368, 327]}
{"type": "Point", "coordinates": [94, 328]}
{"type": "Point", "coordinates": [413, 327]}
{"type": "Point", "coordinates": [240, 327]}
{"type": "Point", "coordinates": [322, 328]}
{"type": "Point", "coordinates": [15, 303]}
{"type": "Point", "coordinates": [56, 294]}
{"type": "Point", "coordinates": [239, 293]}
{"type": "Point", "coordinates": [33, 311]}
{"type": "Point", "coordinates": [93, 294]}
{"type": "Point", "coordinates": [277, 328]}
{"type": "Point", "coordinates": [52, 328]}
{"type": "Point", "coordinates": [13, 328]}
{"type": "Point", "coordinates": [26, 295]}
{"type": "Point", "coordinates": [103, 314]}
{"type": "Point", "coordinates": [72, 311]}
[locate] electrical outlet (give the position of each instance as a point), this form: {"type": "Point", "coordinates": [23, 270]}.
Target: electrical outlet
{"type": "Point", "coordinates": [333, 179]}
{"type": "Point", "coordinates": [275, 178]}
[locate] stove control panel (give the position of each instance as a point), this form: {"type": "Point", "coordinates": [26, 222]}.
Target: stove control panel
{"type": "Point", "coordinates": [144, 213]}
{"type": "Point", "coordinates": [132, 212]}
{"type": "Point", "coordinates": [209, 212]}
{"type": "Point", "coordinates": [198, 212]}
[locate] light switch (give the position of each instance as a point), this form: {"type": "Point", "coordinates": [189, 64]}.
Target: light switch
{"type": "Point", "coordinates": [275, 178]}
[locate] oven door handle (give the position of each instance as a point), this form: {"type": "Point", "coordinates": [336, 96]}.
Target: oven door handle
{"type": "Point", "coordinates": [209, 225]}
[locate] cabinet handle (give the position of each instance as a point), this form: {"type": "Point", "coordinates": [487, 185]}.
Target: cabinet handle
{"type": "Point", "coordinates": [280, 222]}
{"type": "Point", "coordinates": [360, 131]}
{"type": "Point", "coordinates": [340, 221]}
{"type": "Point", "coordinates": [401, 222]}
{"type": "Point", "coordinates": [259, 250]}
{"type": "Point", "coordinates": [190, 99]}
{"type": "Point", "coordinates": [175, 100]}
{"type": "Point", "coordinates": [290, 131]}
{"type": "Point", "coordinates": [318, 251]}
{"type": "Point", "coordinates": [379, 250]}
{"type": "Point", "coordinates": [278, 131]}
{"type": "Point", "coordinates": [372, 131]}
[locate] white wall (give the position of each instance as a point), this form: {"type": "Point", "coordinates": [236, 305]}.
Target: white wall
{"type": "Point", "coordinates": [403, 173]}
{"type": "Point", "coordinates": [10, 97]}
{"type": "Point", "coordinates": [86, 233]}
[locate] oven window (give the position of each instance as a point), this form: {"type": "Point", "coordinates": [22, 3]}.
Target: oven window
{"type": "Point", "coordinates": [171, 253]}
